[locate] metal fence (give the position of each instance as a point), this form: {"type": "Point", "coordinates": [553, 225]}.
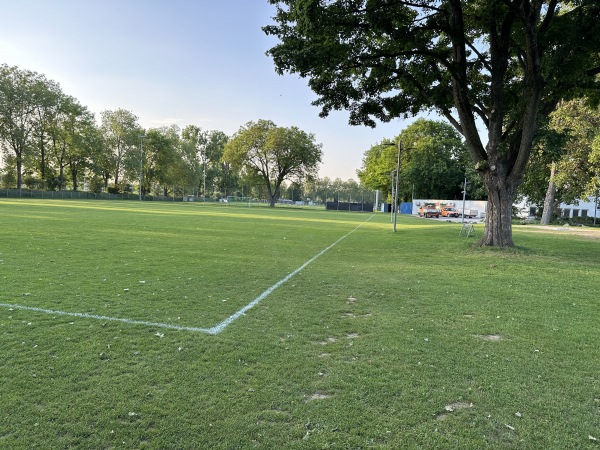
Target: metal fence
{"type": "Point", "coordinates": [347, 206]}
{"type": "Point", "coordinates": [32, 193]}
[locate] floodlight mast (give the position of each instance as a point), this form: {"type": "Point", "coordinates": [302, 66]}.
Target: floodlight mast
{"type": "Point", "coordinates": [397, 180]}
{"type": "Point", "coordinates": [464, 193]}
{"type": "Point", "coordinates": [141, 158]}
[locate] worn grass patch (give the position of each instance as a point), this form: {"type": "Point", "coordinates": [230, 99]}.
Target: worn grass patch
{"type": "Point", "coordinates": [367, 347]}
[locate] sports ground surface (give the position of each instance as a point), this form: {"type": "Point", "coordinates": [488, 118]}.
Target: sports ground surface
{"type": "Point", "coordinates": [158, 325]}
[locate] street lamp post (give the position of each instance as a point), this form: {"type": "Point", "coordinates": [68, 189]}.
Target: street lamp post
{"type": "Point", "coordinates": [141, 158]}
{"type": "Point", "coordinates": [397, 180]}
{"type": "Point", "coordinates": [204, 177]}
{"type": "Point", "coordinates": [393, 177]}
{"type": "Point", "coordinates": [464, 193]}
{"type": "Point", "coordinates": [203, 157]}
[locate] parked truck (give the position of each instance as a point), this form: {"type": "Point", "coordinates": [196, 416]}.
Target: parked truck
{"type": "Point", "coordinates": [429, 210]}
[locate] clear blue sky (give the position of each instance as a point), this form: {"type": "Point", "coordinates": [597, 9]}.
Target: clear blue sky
{"type": "Point", "coordinates": [183, 62]}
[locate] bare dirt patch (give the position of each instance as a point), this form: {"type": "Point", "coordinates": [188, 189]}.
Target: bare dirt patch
{"type": "Point", "coordinates": [329, 340]}
{"type": "Point", "coordinates": [317, 396]}
{"type": "Point", "coordinates": [453, 407]}
{"type": "Point", "coordinates": [586, 232]}
{"type": "Point", "coordinates": [490, 337]}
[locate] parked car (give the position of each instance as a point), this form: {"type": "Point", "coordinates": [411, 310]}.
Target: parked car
{"type": "Point", "coordinates": [428, 210]}
{"type": "Point", "coordinates": [449, 211]}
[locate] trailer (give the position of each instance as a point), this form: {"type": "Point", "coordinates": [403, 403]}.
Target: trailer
{"type": "Point", "coordinates": [470, 213]}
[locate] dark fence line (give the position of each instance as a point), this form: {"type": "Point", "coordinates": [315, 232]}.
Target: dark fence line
{"type": "Point", "coordinates": [31, 193]}
{"type": "Point", "coordinates": [346, 206]}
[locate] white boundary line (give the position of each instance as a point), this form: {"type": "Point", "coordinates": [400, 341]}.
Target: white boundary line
{"type": "Point", "coordinates": [112, 319]}
{"type": "Point", "coordinates": [214, 330]}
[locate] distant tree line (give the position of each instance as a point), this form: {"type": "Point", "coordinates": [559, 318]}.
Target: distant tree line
{"type": "Point", "coordinates": [50, 141]}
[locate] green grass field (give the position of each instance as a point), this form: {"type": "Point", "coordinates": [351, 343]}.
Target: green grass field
{"type": "Point", "coordinates": [415, 339]}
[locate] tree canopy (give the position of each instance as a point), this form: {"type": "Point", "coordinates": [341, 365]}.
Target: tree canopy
{"type": "Point", "coordinates": [433, 163]}
{"type": "Point", "coordinates": [273, 154]}
{"type": "Point", "coordinates": [493, 64]}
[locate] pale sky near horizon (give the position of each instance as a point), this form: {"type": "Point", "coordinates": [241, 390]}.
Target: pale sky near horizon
{"type": "Point", "coordinates": [180, 62]}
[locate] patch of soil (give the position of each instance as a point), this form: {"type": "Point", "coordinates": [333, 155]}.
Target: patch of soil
{"type": "Point", "coordinates": [490, 337]}
{"type": "Point", "coordinates": [317, 396]}
{"type": "Point", "coordinates": [453, 407]}
{"type": "Point", "coordinates": [587, 232]}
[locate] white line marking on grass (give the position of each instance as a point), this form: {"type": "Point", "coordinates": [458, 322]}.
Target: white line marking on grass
{"type": "Point", "coordinates": [214, 330]}
{"type": "Point", "coordinates": [220, 327]}
{"type": "Point", "coordinates": [112, 319]}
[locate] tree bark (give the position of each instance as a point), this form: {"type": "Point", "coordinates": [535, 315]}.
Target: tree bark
{"type": "Point", "coordinates": [549, 200]}
{"type": "Point", "coordinates": [19, 172]}
{"type": "Point", "coordinates": [498, 219]}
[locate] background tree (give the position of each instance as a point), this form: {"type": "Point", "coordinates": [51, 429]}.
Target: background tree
{"type": "Point", "coordinates": [72, 135]}
{"type": "Point", "coordinates": [561, 168]}
{"type": "Point", "coordinates": [273, 154]}
{"type": "Point", "coordinates": [50, 99]}
{"type": "Point", "coordinates": [432, 162]}
{"type": "Point", "coordinates": [22, 95]}
{"type": "Point", "coordinates": [162, 161]}
{"type": "Point", "coordinates": [219, 174]}
{"type": "Point", "coordinates": [194, 141]}
{"type": "Point", "coordinates": [323, 189]}
{"type": "Point", "coordinates": [378, 164]}
{"type": "Point", "coordinates": [594, 183]}
{"type": "Point", "coordinates": [575, 170]}
{"type": "Point", "coordinates": [503, 63]}
{"type": "Point", "coordinates": [121, 133]}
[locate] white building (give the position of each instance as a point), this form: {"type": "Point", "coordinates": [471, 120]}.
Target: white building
{"type": "Point", "coordinates": [583, 209]}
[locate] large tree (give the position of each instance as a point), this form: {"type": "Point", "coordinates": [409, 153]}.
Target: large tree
{"type": "Point", "coordinates": [562, 167]}
{"type": "Point", "coordinates": [431, 165]}
{"type": "Point", "coordinates": [121, 133]}
{"type": "Point", "coordinates": [493, 64]}
{"type": "Point", "coordinates": [272, 154]}
{"type": "Point", "coordinates": [25, 101]}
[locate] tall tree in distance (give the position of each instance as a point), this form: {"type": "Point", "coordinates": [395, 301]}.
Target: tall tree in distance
{"type": "Point", "coordinates": [432, 163]}
{"type": "Point", "coordinates": [501, 63]}
{"type": "Point", "coordinates": [272, 154]}
{"type": "Point", "coordinates": [23, 95]}
{"type": "Point", "coordinates": [121, 133]}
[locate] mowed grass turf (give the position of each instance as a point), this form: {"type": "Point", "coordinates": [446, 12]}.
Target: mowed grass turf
{"type": "Point", "coordinates": [409, 340]}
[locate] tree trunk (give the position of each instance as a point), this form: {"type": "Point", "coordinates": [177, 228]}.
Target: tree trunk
{"type": "Point", "coordinates": [498, 219]}
{"type": "Point", "coordinates": [74, 176]}
{"type": "Point", "coordinates": [19, 172]}
{"type": "Point", "coordinates": [61, 176]}
{"type": "Point", "coordinates": [549, 200]}
{"type": "Point", "coordinates": [43, 162]}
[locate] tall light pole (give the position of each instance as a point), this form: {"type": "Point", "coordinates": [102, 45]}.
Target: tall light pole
{"type": "Point", "coordinates": [397, 180]}
{"type": "Point", "coordinates": [204, 176]}
{"type": "Point", "coordinates": [141, 158]}
{"type": "Point", "coordinates": [203, 156]}
{"type": "Point", "coordinates": [393, 177]}
{"type": "Point", "coordinates": [464, 200]}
